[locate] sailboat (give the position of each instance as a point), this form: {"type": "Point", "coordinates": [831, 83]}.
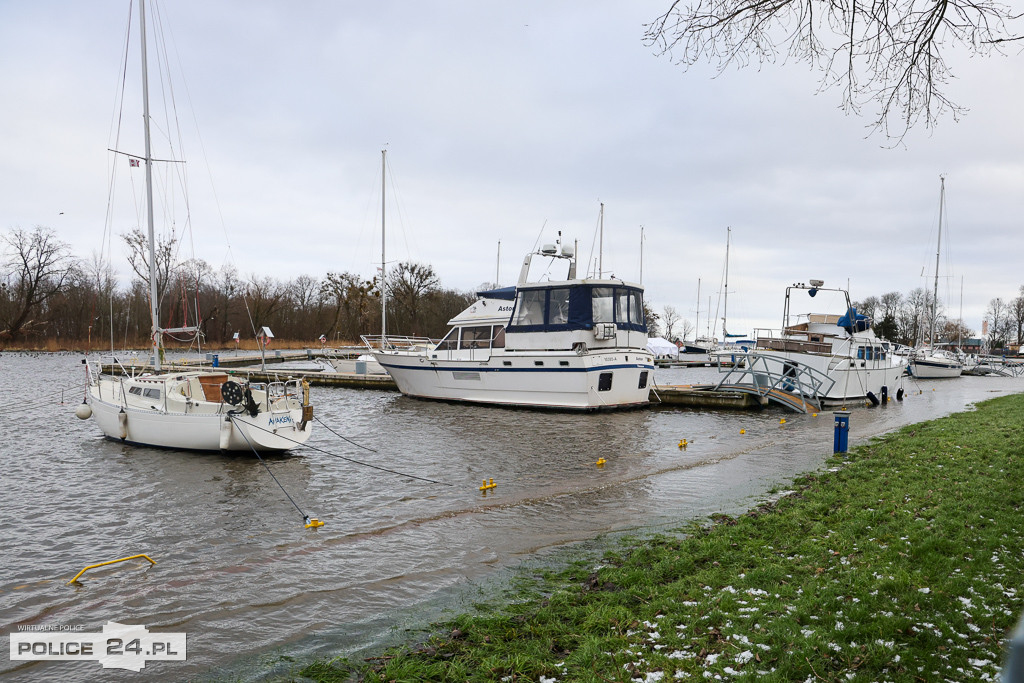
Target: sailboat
{"type": "Point", "coordinates": [364, 363]}
{"type": "Point", "coordinates": [198, 410]}
{"type": "Point", "coordinates": [707, 343]}
{"type": "Point", "coordinates": [929, 362]}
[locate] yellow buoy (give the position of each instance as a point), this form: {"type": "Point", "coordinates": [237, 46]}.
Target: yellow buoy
{"type": "Point", "coordinates": [743, 431]}
{"type": "Point", "coordinates": [814, 415]}
{"type": "Point", "coordinates": [782, 421]}
{"type": "Point", "coordinates": [683, 443]}
{"type": "Point", "coordinates": [314, 523]}
{"type": "Point", "coordinates": [487, 485]}
{"type": "Point", "coordinates": [600, 462]}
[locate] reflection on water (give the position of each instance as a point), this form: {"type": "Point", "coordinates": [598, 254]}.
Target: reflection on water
{"type": "Point", "coordinates": [240, 575]}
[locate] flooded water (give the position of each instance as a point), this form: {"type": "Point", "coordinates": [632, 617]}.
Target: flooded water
{"type": "Point", "coordinates": [237, 572]}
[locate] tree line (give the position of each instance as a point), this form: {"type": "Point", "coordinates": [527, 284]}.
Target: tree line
{"type": "Point", "coordinates": [906, 319]}
{"type": "Point", "coordinates": [47, 292]}
{"type": "Point", "coordinates": [909, 319]}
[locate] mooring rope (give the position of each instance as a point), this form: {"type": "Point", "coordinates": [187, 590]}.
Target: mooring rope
{"type": "Point", "coordinates": [344, 438]}
{"type": "Point", "coordinates": [347, 459]}
{"type": "Point", "coordinates": [305, 517]}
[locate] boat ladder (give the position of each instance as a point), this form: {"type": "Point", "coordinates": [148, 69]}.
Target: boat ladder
{"type": "Point", "coordinates": [789, 383]}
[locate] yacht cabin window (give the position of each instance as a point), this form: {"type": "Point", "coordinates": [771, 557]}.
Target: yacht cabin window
{"type": "Point", "coordinates": [601, 300]}
{"type": "Point", "coordinates": [475, 337]}
{"type": "Point", "coordinates": [498, 341]}
{"type": "Point", "coordinates": [558, 313]}
{"type": "Point", "coordinates": [636, 307]}
{"type": "Point", "coordinates": [530, 309]}
{"type": "Point", "coordinates": [450, 342]}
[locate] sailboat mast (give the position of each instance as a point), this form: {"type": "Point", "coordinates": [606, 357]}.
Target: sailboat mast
{"type": "Point", "coordinates": [696, 325]}
{"type": "Point", "coordinates": [938, 248]}
{"type": "Point", "coordinates": [600, 245]}
{"type": "Point", "coordinates": [383, 246]}
{"type": "Point", "coordinates": [725, 297]}
{"type": "Point", "coordinates": [641, 254]}
{"type": "Point", "coordinates": [153, 301]}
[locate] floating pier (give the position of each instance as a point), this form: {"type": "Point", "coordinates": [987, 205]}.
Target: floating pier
{"type": "Point", "coordinates": [703, 396]}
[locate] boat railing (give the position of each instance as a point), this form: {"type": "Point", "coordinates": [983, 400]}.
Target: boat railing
{"type": "Point", "coordinates": [397, 343]}
{"type": "Point", "coordinates": [280, 395]}
{"type": "Point", "coordinates": [767, 374]}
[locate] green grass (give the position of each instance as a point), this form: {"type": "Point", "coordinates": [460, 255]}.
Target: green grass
{"type": "Point", "coordinates": [900, 562]}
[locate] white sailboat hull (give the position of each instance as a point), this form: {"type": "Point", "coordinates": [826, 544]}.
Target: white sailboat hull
{"type": "Point", "coordinates": [935, 369]}
{"type": "Point", "coordinates": [193, 425]}
{"type": "Point", "coordinates": [613, 379]}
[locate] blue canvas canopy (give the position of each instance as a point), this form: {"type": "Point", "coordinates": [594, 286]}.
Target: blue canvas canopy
{"type": "Point", "coordinates": [854, 321]}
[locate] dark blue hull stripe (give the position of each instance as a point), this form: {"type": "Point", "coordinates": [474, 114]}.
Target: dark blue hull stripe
{"type": "Point", "coordinates": [446, 368]}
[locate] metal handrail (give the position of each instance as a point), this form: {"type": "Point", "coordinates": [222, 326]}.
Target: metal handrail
{"type": "Point", "coordinates": [392, 342]}
{"type": "Point", "coordinates": [796, 378]}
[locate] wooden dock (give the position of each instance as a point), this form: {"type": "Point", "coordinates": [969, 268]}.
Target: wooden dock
{"type": "Point", "coordinates": [702, 396]}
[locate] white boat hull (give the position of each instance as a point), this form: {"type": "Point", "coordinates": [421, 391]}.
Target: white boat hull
{"type": "Point", "coordinates": [853, 378]}
{"type": "Point", "coordinates": [614, 379]}
{"type": "Point", "coordinates": [198, 426]}
{"type": "Point", "coordinates": [935, 369]}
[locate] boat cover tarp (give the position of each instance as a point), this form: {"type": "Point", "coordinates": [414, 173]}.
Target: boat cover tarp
{"type": "Point", "coordinates": [854, 322]}
{"type": "Point", "coordinates": [662, 347]}
{"type": "Point", "coordinates": [506, 293]}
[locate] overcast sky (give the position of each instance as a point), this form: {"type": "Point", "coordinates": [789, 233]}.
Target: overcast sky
{"type": "Point", "coordinates": [508, 121]}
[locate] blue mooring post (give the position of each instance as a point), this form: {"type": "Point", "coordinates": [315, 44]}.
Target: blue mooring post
{"type": "Point", "coordinates": [216, 360]}
{"type": "Point", "coordinates": [842, 436]}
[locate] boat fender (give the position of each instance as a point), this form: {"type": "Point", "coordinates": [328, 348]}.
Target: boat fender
{"type": "Point", "coordinates": [874, 399]}
{"type": "Point", "coordinates": [231, 392]}
{"type": "Point", "coordinates": [225, 433]}
{"type": "Point", "coordinates": [83, 411]}
{"type": "Point", "coordinates": [885, 395]}
{"type": "Point", "coordinates": [122, 421]}
{"type": "Point", "coordinates": [899, 394]}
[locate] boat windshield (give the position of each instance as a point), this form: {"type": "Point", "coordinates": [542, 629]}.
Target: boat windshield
{"type": "Point", "coordinates": [578, 307]}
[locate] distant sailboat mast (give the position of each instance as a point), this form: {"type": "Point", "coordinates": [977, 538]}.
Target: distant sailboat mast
{"type": "Point", "coordinates": [383, 247]}
{"type": "Point", "coordinates": [938, 249]}
{"type": "Point", "coordinates": [725, 297]}
{"type": "Point", "coordinates": [696, 325]}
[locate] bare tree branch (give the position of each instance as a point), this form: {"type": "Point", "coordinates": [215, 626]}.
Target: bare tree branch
{"type": "Point", "coordinates": [885, 53]}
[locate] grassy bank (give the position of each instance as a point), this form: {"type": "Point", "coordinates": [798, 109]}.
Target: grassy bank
{"type": "Point", "coordinates": [902, 561]}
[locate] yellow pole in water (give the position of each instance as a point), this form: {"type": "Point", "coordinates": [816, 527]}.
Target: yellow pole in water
{"type": "Point", "coordinates": [101, 564]}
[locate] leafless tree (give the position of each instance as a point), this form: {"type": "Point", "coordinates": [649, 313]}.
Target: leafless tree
{"type": "Point", "coordinates": [888, 53]}
{"type": "Point", "coordinates": [1017, 315]}
{"type": "Point", "coordinates": [38, 267]}
{"type": "Point", "coordinates": [669, 318]}
{"type": "Point", "coordinates": [407, 285]}
{"type": "Point", "coordinates": [998, 318]}
{"type": "Point", "coordinates": [166, 249]}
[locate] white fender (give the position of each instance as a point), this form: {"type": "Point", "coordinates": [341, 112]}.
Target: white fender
{"type": "Point", "coordinates": [122, 420]}
{"type": "Point", "coordinates": [83, 411]}
{"type": "Point", "coordinates": [225, 433]}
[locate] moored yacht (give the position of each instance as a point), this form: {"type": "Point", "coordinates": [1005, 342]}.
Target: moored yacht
{"type": "Point", "coordinates": [837, 355]}
{"type": "Point", "coordinates": [565, 344]}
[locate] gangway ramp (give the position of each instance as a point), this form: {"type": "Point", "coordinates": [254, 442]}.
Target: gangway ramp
{"type": "Point", "coordinates": [780, 380]}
